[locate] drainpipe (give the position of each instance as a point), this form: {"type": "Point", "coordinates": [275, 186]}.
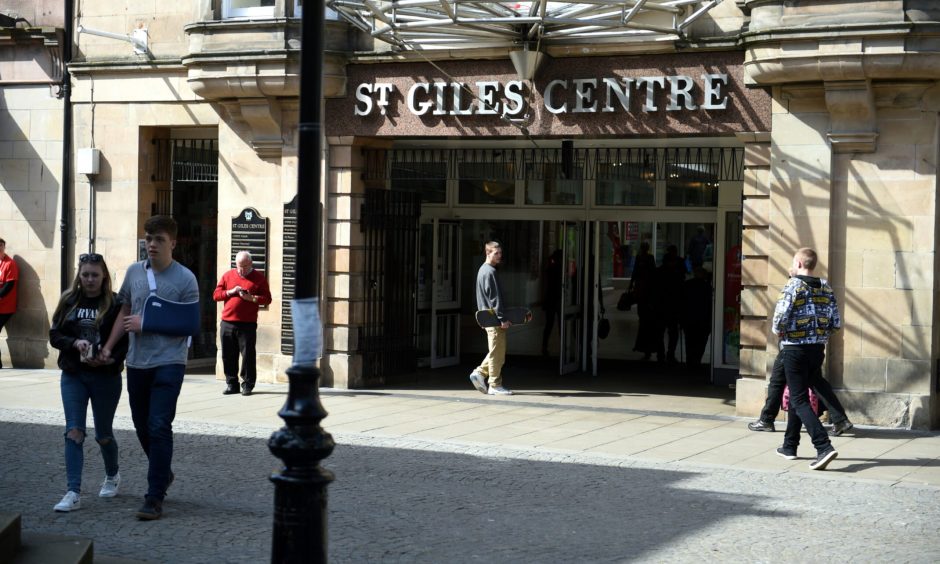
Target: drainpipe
{"type": "Point", "coordinates": [65, 222]}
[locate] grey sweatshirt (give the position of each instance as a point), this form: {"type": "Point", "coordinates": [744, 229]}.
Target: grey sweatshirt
{"type": "Point", "coordinates": [488, 293]}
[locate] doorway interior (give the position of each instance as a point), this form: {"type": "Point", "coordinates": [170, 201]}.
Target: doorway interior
{"type": "Point", "coordinates": [558, 218]}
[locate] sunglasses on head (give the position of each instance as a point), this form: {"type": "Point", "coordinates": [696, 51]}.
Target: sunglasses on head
{"type": "Point", "coordinates": [90, 257]}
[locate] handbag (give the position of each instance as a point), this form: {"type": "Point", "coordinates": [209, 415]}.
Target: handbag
{"type": "Point", "coordinates": [813, 400]}
{"type": "Point", "coordinates": [603, 328]}
{"type": "Point", "coordinates": [160, 315]}
{"type": "Point", "coordinates": [626, 301]}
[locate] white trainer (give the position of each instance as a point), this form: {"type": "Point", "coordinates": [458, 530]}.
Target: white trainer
{"type": "Point", "coordinates": [478, 381]}
{"type": "Point", "coordinates": [70, 502]}
{"type": "Point", "coordinates": [498, 391]}
{"type": "Point", "coordinates": [109, 488]}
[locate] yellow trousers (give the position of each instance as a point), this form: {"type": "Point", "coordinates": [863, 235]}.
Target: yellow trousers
{"type": "Point", "coordinates": [492, 365]}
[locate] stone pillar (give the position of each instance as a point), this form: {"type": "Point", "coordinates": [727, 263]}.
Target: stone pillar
{"type": "Point", "coordinates": [786, 206]}
{"type": "Point", "coordinates": [884, 262]}
{"type": "Point", "coordinates": [343, 266]}
{"type": "Point", "coordinates": [751, 388]}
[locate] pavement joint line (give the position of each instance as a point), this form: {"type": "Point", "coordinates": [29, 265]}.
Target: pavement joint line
{"type": "Point", "coordinates": [566, 407]}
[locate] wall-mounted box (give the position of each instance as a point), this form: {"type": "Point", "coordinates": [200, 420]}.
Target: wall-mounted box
{"type": "Point", "coordinates": [87, 160]}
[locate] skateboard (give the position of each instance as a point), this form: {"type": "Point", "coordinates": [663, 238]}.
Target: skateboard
{"type": "Point", "coordinates": [515, 315]}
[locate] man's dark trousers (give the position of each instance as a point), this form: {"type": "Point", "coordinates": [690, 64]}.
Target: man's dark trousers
{"type": "Point", "coordinates": [4, 317]}
{"type": "Point", "coordinates": [802, 364]}
{"type": "Point", "coordinates": [239, 338]}
{"type": "Point", "coordinates": [152, 395]}
{"type": "Point", "coordinates": [778, 380]}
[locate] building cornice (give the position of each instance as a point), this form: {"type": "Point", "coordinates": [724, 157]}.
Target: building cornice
{"type": "Point", "coordinates": [125, 66]}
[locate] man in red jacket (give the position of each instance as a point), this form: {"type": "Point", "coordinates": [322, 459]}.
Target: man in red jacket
{"type": "Point", "coordinates": [9, 278]}
{"type": "Point", "coordinates": [243, 289]}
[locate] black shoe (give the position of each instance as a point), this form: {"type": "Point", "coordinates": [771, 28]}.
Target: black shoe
{"type": "Point", "coordinates": [789, 454]}
{"type": "Point", "coordinates": [230, 389]}
{"type": "Point", "coordinates": [246, 391]}
{"type": "Point", "coordinates": [841, 427]}
{"type": "Point", "coordinates": [761, 426]}
{"type": "Point", "coordinates": [823, 459]}
{"type": "Point", "coordinates": [151, 510]}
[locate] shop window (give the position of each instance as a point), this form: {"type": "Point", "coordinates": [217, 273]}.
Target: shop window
{"type": "Point", "coordinates": [247, 8]}
{"type": "Point", "coordinates": [692, 178]}
{"type": "Point", "coordinates": [486, 183]}
{"type": "Point", "coordinates": [620, 246]}
{"type": "Point", "coordinates": [619, 184]}
{"type": "Point", "coordinates": [731, 301]}
{"type": "Point", "coordinates": [545, 184]}
{"type": "Point", "coordinates": [692, 193]}
{"type": "Point", "coordinates": [429, 179]}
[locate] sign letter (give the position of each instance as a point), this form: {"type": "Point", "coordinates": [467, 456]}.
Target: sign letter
{"type": "Point", "coordinates": [547, 96]}
{"type": "Point", "coordinates": [713, 93]}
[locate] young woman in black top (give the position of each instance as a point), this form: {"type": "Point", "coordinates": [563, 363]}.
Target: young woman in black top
{"type": "Point", "coordinates": [80, 324]}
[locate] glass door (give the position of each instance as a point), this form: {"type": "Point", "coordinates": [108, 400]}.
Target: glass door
{"type": "Point", "coordinates": [438, 300]}
{"type": "Point", "coordinates": [572, 299]}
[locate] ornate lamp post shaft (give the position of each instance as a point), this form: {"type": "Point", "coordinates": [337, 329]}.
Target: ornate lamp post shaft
{"type": "Point", "coordinates": [300, 487]}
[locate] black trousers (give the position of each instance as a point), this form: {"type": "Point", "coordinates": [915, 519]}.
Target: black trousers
{"type": "Point", "coordinates": [239, 338]}
{"type": "Point", "coordinates": [803, 364]}
{"type": "Point", "coordinates": [778, 381]}
{"type": "Point", "coordinates": [4, 317]}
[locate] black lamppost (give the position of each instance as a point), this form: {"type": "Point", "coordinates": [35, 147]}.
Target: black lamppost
{"type": "Point", "coordinates": [300, 487]}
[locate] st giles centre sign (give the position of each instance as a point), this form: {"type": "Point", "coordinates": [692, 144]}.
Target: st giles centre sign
{"type": "Point", "coordinates": [652, 95]}
{"type": "Point", "coordinates": [578, 95]}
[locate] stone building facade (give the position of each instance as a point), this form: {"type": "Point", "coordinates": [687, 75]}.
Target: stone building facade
{"type": "Point", "coordinates": [32, 110]}
{"type": "Point", "coordinates": [840, 145]}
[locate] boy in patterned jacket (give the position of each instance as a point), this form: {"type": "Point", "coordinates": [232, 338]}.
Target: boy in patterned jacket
{"type": "Point", "coordinates": [805, 316]}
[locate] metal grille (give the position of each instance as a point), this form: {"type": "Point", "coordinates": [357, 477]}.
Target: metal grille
{"type": "Point", "coordinates": [196, 160]}
{"type": "Point", "coordinates": [690, 163]}
{"type": "Point", "coordinates": [390, 222]}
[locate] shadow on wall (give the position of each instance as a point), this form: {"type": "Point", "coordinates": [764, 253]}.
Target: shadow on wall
{"type": "Point", "coordinates": [28, 329]}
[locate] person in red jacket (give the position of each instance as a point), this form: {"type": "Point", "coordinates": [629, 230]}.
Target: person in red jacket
{"type": "Point", "coordinates": [9, 278]}
{"type": "Point", "coordinates": [244, 290]}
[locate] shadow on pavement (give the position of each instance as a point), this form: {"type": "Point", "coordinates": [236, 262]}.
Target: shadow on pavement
{"type": "Point", "coordinates": [385, 505]}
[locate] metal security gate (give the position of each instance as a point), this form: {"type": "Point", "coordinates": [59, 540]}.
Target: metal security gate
{"type": "Point", "coordinates": [389, 223]}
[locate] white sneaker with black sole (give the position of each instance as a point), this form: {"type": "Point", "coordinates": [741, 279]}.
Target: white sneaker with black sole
{"type": "Point", "coordinates": [70, 502]}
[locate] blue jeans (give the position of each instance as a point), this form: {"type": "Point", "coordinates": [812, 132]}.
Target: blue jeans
{"type": "Point", "coordinates": [802, 365]}
{"type": "Point", "coordinates": [153, 393]}
{"type": "Point", "coordinates": [104, 391]}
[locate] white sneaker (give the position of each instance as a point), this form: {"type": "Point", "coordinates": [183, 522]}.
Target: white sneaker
{"type": "Point", "coordinates": [109, 487]}
{"type": "Point", "coordinates": [498, 391]}
{"type": "Point", "coordinates": [70, 502]}
{"type": "Point", "coordinates": [478, 381]}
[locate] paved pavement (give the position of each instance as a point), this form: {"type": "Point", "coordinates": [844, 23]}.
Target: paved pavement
{"type": "Point", "coordinates": [428, 475]}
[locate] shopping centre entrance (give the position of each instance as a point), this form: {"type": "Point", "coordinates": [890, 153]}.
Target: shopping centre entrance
{"type": "Point", "coordinates": [577, 237]}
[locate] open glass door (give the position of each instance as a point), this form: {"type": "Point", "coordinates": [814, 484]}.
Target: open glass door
{"type": "Point", "coordinates": [572, 304]}
{"type": "Point", "coordinates": [438, 300]}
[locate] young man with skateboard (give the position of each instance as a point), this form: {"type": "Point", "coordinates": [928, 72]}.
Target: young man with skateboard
{"type": "Point", "coordinates": [487, 377]}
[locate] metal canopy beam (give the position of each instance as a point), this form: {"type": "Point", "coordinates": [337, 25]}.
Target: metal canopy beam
{"type": "Point", "coordinates": [428, 24]}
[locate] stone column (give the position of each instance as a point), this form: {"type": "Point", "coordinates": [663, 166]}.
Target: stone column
{"type": "Point", "coordinates": [341, 365]}
{"type": "Point", "coordinates": [884, 260]}
{"type": "Point", "coordinates": [751, 387]}
{"type": "Point", "coordinates": [786, 206]}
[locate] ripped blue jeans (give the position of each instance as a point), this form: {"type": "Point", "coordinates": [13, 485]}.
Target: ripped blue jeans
{"type": "Point", "coordinates": [104, 392]}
